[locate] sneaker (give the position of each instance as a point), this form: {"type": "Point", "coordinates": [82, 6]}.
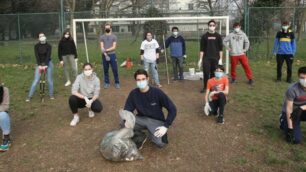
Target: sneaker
{"type": "Point", "coordinates": [233, 81]}
{"type": "Point", "coordinates": [117, 86]}
{"type": "Point", "coordinates": [159, 86]}
{"type": "Point", "coordinates": [67, 83]}
{"type": "Point", "coordinates": [52, 98]}
{"type": "Point", "coordinates": [220, 119]}
{"type": "Point", "coordinates": [28, 99]}
{"type": "Point", "coordinates": [5, 146]}
{"type": "Point", "coordinates": [251, 82]}
{"type": "Point", "coordinates": [91, 114]}
{"type": "Point", "coordinates": [75, 121]}
{"type": "Point", "coordinates": [106, 85]}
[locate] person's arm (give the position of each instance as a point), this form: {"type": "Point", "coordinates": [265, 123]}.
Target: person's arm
{"type": "Point", "coordinates": [246, 43]}
{"type": "Point", "coordinates": [157, 49]}
{"type": "Point", "coordinates": [48, 58]}
{"type": "Point", "coordinates": [289, 110]}
{"type": "Point", "coordinates": [96, 89]}
{"type": "Point", "coordinates": [75, 88]}
{"type": "Point", "coordinates": [130, 104]}
{"type": "Point", "coordinates": [74, 50]}
{"type": "Point", "coordinates": [4, 106]}
{"type": "Point", "coordinates": [276, 43]}
{"type": "Point", "coordinates": [202, 47]}
{"type": "Point", "coordinates": [59, 50]}
{"type": "Point", "coordinates": [141, 50]}
{"type": "Point", "coordinates": [293, 43]}
{"type": "Point", "coordinates": [168, 104]}
{"type": "Point", "coordinates": [220, 46]}
{"type": "Point", "coordinates": [226, 42]}
{"type": "Point", "coordinates": [206, 95]}
{"type": "Point", "coordinates": [183, 46]}
{"type": "Point", "coordinates": [36, 54]}
{"type": "Point", "coordinates": [167, 43]}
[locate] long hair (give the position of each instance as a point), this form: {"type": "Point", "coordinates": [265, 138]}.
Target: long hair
{"type": "Point", "coordinates": [1, 93]}
{"type": "Point", "coordinates": [145, 35]}
{"type": "Point", "coordinates": [63, 36]}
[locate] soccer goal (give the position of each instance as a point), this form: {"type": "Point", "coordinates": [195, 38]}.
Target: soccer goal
{"type": "Point", "coordinates": [130, 34]}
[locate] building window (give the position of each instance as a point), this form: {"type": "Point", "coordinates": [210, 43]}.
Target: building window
{"type": "Point", "coordinates": [190, 6]}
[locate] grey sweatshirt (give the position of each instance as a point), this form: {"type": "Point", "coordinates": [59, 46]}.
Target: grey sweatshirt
{"type": "Point", "coordinates": [238, 43]}
{"type": "Point", "coordinates": [87, 87]}
{"type": "Point", "coordinates": [4, 106]}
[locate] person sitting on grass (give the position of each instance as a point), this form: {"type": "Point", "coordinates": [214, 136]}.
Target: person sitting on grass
{"type": "Point", "coordinates": [85, 92]}
{"type": "Point", "coordinates": [216, 92]}
{"type": "Point", "coordinates": [148, 102]}
{"type": "Point", "coordinates": [294, 109]}
{"type": "Point", "coordinates": [5, 124]}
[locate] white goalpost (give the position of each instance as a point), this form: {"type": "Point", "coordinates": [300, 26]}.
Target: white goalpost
{"type": "Point", "coordinates": [222, 21]}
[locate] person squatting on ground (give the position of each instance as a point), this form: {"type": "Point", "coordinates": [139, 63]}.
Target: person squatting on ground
{"type": "Point", "coordinates": [67, 55]}
{"type": "Point", "coordinates": [149, 53]}
{"type": "Point", "coordinates": [148, 103]}
{"type": "Point", "coordinates": [211, 52]}
{"type": "Point", "coordinates": [85, 93]}
{"type": "Point", "coordinates": [284, 49]}
{"type": "Point", "coordinates": [177, 51]}
{"type": "Point", "coordinates": [108, 42]}
{"type": "Point", "coordinates": [5, 123]}
{"type": "Point", "coordinates": [294, 109]}
{"type": "Point", "coordinates": [43, 58]}
{"type": "Point", "coordinates": [238, 44]}
{"type": "Point", "coordinates": [216, 93]}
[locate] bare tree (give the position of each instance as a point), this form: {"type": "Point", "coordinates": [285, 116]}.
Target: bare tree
{"type": "Point", "coordinates": [71, 5]}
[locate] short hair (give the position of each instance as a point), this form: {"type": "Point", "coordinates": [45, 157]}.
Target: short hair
{"type": "Point", "coordinates": [285, 22]}
{"type": "Point", "coordinates": [140, 72]}
{"type": "Point", "coordinates": [220, 67]}
{"type": "Point", "coordinates": [211, 21]}
{"type": "Point", "coordinates": [87, 64]}
{"type": "Point", "coordinates": [146, 33]}
{"type": "Point", "coordinates": [236, 24]}
{"type": "Point", "coordinates": [174, 27]}
{"type": "Point", "coordinates": [40, 33]}
{"type": "Point", "coordinates": [108, 24]}
{"type": "Point", "coordinates": [302, 70]}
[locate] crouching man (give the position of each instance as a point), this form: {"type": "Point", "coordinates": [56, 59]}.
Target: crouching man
{"type": "Point", "coordinates": [216, 92]}
{"type": "Point", "coordinates": [85, 93]}
{"type": "Point", "coordinates": [148, 103]}
{"type": "Point", "coordinates": [294, 109]}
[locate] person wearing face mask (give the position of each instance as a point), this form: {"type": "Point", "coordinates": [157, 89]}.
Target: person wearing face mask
{"type": "Point", "coordinates": [210, 52]}
{"type": "Point", "coordinates": [148, 103]}
{"type": "Point", "coordinates": [149, 53]}
{"type": "Point", "coordinates": [294, 109]}
{"type": "Point", "coordinates": [284, 49]}
{"type": "Point", "coordinates": [238, 44]}
{"type": "Point", "coordinates": [177, 51]}
{"type": "Point", "coordinates": [68, 56]}
{"type": "Point", "coordinates": [43, 59]}
{"type": "Point", "coordinates": [216, 93]}
{"type": "Point", "coordinates": [85, 93]}
{"type": "Point", "coordinates": [108, 43]}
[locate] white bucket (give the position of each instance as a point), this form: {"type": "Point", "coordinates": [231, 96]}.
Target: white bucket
{"type": "Point", "coordinates": [191, 71]}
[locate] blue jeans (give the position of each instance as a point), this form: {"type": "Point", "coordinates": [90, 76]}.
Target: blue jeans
{"type": "Point", "coordinates": [37, 78]}
{"type": "Point", "coordinates": [148, 64]}
{"type": "Point", "coordinates": [5, 123]}
{"type": "Point", "coordinates": [113, 63]}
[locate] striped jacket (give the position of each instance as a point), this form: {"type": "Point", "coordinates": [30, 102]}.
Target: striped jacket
{"type": "Point", "coordinates": [284, 43]}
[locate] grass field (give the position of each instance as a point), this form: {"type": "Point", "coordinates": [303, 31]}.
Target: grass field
{"type": "Point", "coordinates": [256, 110]}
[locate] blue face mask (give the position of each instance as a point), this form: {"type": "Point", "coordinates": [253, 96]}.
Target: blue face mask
{"type": "Point", "coordinates": [142, 84]}
{"type": "Point", "coordinates": [218, 74]}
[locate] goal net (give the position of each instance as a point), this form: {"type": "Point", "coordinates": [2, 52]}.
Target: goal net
{"type": "Point", "coordinates": [130, 34]}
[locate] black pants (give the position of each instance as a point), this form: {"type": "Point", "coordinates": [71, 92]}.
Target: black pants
{"type": "Point", "coordinates": [209, 67]}
{"type": "Point", "coordinates": [218, 104]}
{"type": "Point", "coordinates": [280, 58]}
{"type": "Point", "coordinates": [76, 102]}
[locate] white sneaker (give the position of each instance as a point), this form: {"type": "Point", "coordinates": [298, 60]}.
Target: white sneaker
{"type": "Point", "coordinates": [91, 114]}
{"type": "Point", "coordinates": [67, 83]}
{"type": "Point", "coordinates": [75, 120]}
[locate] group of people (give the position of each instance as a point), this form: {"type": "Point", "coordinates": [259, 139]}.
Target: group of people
{"type": "Point", "coordinates": [149, 101]}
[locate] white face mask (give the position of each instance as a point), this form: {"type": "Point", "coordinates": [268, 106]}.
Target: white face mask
{"type": "Point", "coordinates": [87, 72]}
{"type": "Point", "coordinates": [67, 36]}
{"type": "Point", "coordinates": [42, 39]}
{"type": "Point", "coordinates": [237, 29]}
{"type": "Point", "coordinates": [175, 33]}
{"type": "Point", "coordinates": [212, 28]}
{"type": "Point", "coordinates": [285, 27]}
{"type": "Point", "coordinates": [303, 82]}
{"type": "Point", "coordinates": [142, 84]}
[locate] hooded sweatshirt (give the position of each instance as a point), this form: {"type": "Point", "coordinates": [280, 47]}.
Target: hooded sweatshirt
{"type": "Point", "coordinates": [238, 43]}
{"type": "Point", "coordinates": [87, 87]}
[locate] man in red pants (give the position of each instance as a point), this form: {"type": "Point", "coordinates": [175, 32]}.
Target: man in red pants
{"type": "Point", "coordinates": [238, 43]}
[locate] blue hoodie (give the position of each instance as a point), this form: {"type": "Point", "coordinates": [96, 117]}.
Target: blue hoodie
{"type": "Point", "coordinates": [284, 43]}
{"type": "Point", "coordinates": [177, 46]}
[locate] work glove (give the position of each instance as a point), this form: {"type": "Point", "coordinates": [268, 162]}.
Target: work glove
{"type": "Point", "coordinates": [76, 60]}
{"type": "Point", "coordinates": [160, 131]}
{"type": "Point", "coordinates": [62, 62]}
{"type": "Point", "coordinates": [185, 56]}
{"type": "Point", "coordinates": [220, 61]}
{"type": "Point", "coordinates": [200, 63]}
{"type": "Point", "coordinates": [162, 50]}
{"type": "Point", "coordinates": [207, 109]}
{"type": "Point", "coordinates": [88, 102]}
{"type": "Point", "coordinates": [211, 94]}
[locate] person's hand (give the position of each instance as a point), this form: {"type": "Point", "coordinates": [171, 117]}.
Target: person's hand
{"type": "Point", "coordinates": [185, 56]}
{"type": "Point", "coordinates": [207, 109]}
{"type": "Point", "coordinates": [62, 63]}
{"type": "Point", "coordinates": [76, 60]}
{"type": "Point", "coordinates": [157, 56]}
{"type": "Point", "coordinates": [211, 94]}
{"type": "Point", "coordinates": [160, 131]}
{"type": "Point", "coordinates": [200, 63]}
{"type": "Point", "coordinates": [40, 67]}
{"type": "Point", "coordinates": [220, 61]}
{"type": "Point", "coordinates": [162, 50]}
{"type": "Point", "coordinates": [88, 102]}
{"type": "Point", "coordinates": [103, 50]}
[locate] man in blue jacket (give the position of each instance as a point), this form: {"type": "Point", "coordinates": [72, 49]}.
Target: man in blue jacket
{"type": "Point", "coordinates": [178, 52]}
{"type": "Point", "coordinates": [284, 49]}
